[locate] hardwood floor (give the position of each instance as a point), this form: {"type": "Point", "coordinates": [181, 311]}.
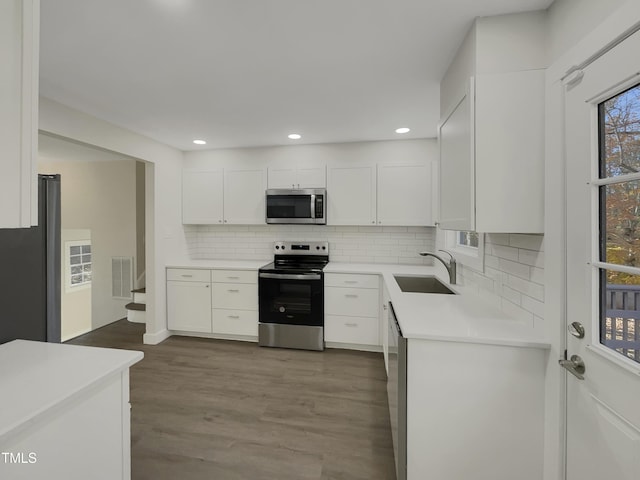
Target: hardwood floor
{"type": "Point", "coordinates": [224, 410]}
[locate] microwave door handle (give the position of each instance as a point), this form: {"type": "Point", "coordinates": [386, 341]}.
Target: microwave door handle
{"type": "Point", "coordinates": [313, 206]}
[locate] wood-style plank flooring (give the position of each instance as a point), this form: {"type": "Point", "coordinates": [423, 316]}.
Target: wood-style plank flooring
{"type": "Point", "coordinates": [224, 410]}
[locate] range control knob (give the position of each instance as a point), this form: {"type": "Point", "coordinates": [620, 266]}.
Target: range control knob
{"type": "Point", "coordinates": [282, 309]}
{"type": "Point", "coordinates": [324, 248]}
{"type": "Point", "coordinates": [317, 247]}
{"type": "Point", "coordinates": [277, 247]}
{"type": "Point", "coordinates": [282, 247]}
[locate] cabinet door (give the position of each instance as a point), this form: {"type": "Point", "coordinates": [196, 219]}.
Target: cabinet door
{"type": "Point", "coordinates": [281, 177]}
{"type": "Point", "coordinates": [311, 177]}
{"type": "Point", "coordinates": [244, 196]}
{"type": "Point", "coordinates": [351, 195]}
{"type": "Point", "coordinates": [510, 152]}
{"type": "Point", "coordinates": [19, 42]}
{"type": "Point", "coordinates": [202, 197]}
{"type": "Point", "coordinates": [457, 172]}
{"type": "Point", "coordinates": [404, 195]}
{"type": "Point", "coordinates": [189, 306]}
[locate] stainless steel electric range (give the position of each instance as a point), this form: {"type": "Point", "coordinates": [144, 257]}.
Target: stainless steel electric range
{"type": "Point", "coordinates": [291, 296]}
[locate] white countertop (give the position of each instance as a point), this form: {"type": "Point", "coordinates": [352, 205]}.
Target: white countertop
{"type": "Point", "coordinates": [458, 318]}
{"type": "Point", "coordinates": [38, 376]}
{"type": "Point", "coordinates": [220, 264]}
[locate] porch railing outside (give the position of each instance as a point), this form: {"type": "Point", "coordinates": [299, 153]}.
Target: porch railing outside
{"type": "Point", "coordinates": [620, 329]}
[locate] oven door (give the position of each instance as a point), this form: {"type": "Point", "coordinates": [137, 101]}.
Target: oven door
{"type": "Point", "coordinates": [291, 299]}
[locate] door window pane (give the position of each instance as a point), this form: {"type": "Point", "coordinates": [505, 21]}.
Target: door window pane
{"type": "Point", "coordinates": [620, 132]}
{"type": "Point", "coordinates": [620, 317]}
{"type": "Point", "coordinates": [620, 225]}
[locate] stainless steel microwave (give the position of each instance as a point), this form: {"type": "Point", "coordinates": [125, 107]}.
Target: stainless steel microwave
{"type": "Point", "coordinates": [297, 206]}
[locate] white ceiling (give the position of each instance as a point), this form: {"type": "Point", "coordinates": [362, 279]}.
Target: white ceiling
{"type": "Point", "coordinates": [243, 73]}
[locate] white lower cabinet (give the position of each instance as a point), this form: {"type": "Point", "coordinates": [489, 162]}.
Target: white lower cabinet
{"type": "Point", "coordinates": [189, 302]}
{"type": "Point", "coordinates": [352, 310]}
{"type": "Point", "coordinates": [476, 411]}
{"type": "Point", "coordinates": [235, 302]}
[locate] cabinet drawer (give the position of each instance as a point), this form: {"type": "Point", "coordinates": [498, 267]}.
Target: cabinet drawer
{"type": "Point", "coordinates": [235, 322]}
{"type": "Point", "coordinates": [358, 330]}
{"type": "Point", "coordinates": [358, 302]}
{"type": "Point", "coordinates": [188, 274]}
{"type": "Point", "coordinates": [351, 280]}
{"type": "Point", "coordinates": [235, 296]}
{"type": "Point", "coordinates": [234, 276]}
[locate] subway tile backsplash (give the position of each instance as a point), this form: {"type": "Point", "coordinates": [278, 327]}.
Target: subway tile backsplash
{"type": "Point", "coordinates": [347, 244]}
{"type": "Point", "coordinates": [513, 277]}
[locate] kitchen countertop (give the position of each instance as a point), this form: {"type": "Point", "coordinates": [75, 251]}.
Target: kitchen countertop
{"type": "Point", "coordinates": [466, 317]}
{"type": "Point", "coordinates": [220, 264]}
{"type": "Point", "coordinates": [39, 376]}
{"type": "Point", "coordinates": [457, 318]}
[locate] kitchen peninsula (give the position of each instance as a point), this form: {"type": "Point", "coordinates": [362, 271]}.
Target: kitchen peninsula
{"type": "Point", "coordinates": [64, 411]}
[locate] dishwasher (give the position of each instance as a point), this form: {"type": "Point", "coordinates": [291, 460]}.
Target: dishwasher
{"type": "Point", "coordinates": [397, 393]}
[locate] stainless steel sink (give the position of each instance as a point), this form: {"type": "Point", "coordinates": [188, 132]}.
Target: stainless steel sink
{"type": "Point", "coordinates": [422, 284]}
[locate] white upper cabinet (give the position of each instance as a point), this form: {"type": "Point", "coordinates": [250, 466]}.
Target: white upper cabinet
{"type": "Point", "coordinates": [404, 195]}
{"type": "Point", "coordinates": [19, 42]}
{"type": "Point", "coordinates": [351, 195]}
{"type": "Point", "coordinates": [386, 194]}
{"type": "Point", "coordinates": [244, 198]}
{"type": "Point", "coordinates": [224, 196]}
{"type": "Point", "coordinates": [301, 177]}
{"type": "Point", "coordinates": [491, 137]}
{"type": "Point", "coordinates": [202, 197]}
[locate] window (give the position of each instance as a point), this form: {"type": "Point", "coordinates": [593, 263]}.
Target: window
{"type": "Point", "coordinates": [78, 264]}
{"type": "Point", "coordinates": [467, 247]}
{"type": "Point", "coordinates": [467, 239]}
{"type": "Point", "coordinates": [619, 221]}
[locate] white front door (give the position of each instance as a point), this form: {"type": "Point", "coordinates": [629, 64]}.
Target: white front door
{"type": "Point", "coordinates": [603, 267]}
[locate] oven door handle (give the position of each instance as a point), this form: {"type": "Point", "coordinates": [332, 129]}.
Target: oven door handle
{"type": "Point", "coordinates": [286, 276]}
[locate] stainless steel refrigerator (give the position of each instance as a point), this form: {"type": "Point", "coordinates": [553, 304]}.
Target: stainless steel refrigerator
{"type": "Point", "coordinates": [30, 272]}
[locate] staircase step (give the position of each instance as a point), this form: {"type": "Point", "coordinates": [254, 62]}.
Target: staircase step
{"type": "Point", "coordinates": [139, 290]}
{"type": "Point", "coordinates": [140, 307]}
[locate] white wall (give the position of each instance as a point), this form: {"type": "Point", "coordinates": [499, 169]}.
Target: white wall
{"type": "Point", "coordinates": [100, 196]}
{"type": "Point", "coordinates": [164, 233]}
{"type": "Point", "coordinates": [568, 21]}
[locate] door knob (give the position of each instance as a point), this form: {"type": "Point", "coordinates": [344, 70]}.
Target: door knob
{"type": "Point", "coordinates": [575, 366]}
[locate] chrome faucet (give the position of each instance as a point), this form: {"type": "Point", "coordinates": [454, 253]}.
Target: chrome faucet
{"type": "Point", "coordinates": [450, 265]}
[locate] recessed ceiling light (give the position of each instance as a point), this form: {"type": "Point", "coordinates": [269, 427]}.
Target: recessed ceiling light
{"type": "Point", "coordinates": [200, 142]}
{"type": "Point", "coordinates": [295, 136]}
{"type": "Point", "coordinates": [403, 130]}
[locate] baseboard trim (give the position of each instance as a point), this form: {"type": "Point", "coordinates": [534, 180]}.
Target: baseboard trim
{"type": "Point", "coordinates": [155, 338]}
{"type": "Point", "coordinates": [353, 346]}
